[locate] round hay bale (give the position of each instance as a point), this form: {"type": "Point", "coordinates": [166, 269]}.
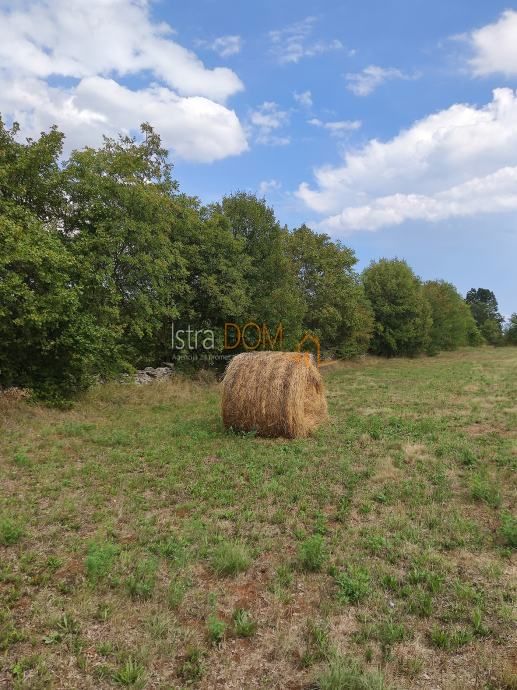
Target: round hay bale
{"type": "Point", "coordinates": [274, 394]}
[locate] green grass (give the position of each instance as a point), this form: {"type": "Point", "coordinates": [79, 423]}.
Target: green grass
{"type": "Point", "coordinates": [216, 629]}
{"type": "Point", "coordinates": [141, 581]}
{"type": "Point", "coordinates": [230, 559]}
{"type": "Point", "coordinates": [486, 489]}
{"type": "Point", "coordinates": [508, 529]}
{"type": "Point", "coordinates": [243, 623]}
{"type": "Point", "coordinates": [131, 674]}
{"type": "Point", "coordinates": [345, 674]}
{"type": "Point", "coordinates": [353, 585]}
{"type": "Point", "coordinates": [99, 560]}
{"type": "Point", "coordinates": [312, 553]}
{"type": "Point", "coordinates": [10, 531]}
{"type": "Point", "coordinates": [143, 546]}
{"type": "Point", "coordinates": [450, 640]}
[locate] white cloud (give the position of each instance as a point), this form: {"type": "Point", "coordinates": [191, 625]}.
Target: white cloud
{"type": "Point", "coordinates": [365, 82]}
{"type": "Point", "coordinates": [267, 186]}
{"type": "Point", "coordinates": [294, 42]}
{"type": "Point", "coordinates": [304, 98]}
{"type": "Point", "coordinates": [456, 162]}
{"type": "Point", "coordinates": [225, 46]}
{"type": "Point", "coordinates": [61, 62]}
{"type": "Point", "coordinates": [72, 38]}
{"type": "Point", "coordinates": [490, 194]}
{"type": "Point", "coordinates": [337, 128]}
{"type": "Point", "coordinates": [269, 116]}
{"type": "Point", "coordinates": [495, 46]}
{"type": "Point", "coordinates": [265, 120]}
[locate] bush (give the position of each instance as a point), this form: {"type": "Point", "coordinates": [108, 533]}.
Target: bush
{"type": "Point", "coordinates": [492, 332]}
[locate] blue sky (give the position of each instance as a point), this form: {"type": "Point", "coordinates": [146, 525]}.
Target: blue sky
{"type": "Point", "coordinates": [376, 122]}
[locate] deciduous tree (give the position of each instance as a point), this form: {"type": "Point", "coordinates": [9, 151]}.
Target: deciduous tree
{"type": "Point", "coordinates": [402, 313]}
{"type": "Point", "coordinates": [336, 308]}
{"type": "Point", "coordinates": [453, 324]}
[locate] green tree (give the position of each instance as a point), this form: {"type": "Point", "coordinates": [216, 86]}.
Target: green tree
{"type": "Point", "coordinates": [484, 307]}
{"type": "Point", "coordinates": [120, 222]}
{"type": "Point", "coordinates": [47, 342]}
{"type": "Point", "coordinates": [217, 269]}
{"type": "Point", "coordinates": [30, 175]}
{"type": "Point", "coordinates": [453, 323]}
{"type": "Point", "coordinates": [336, 309]}
{"type": "Point", "coordinates": [511, 330]}
{"type": "Point", "coordinates": [492, 332]}
{"type": "Point", "coordinates": [271, 278]}
{"type": "Point", "coordinates": [402, 313]}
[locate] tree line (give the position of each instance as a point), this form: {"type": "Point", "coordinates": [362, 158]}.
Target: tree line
{"type": "Point", "coordinates": [100, 254]}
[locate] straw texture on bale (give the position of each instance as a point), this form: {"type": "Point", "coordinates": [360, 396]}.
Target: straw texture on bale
{"type": "Point", "coordinates": [274, 394]}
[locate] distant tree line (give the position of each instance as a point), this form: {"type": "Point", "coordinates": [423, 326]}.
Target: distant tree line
{"type": "Point", "coordinates": [101, 253]}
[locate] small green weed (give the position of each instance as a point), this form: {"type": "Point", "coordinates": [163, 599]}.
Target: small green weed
{"type": "Point", "coordinates": [141, 582]}
{"type": "Point", "coordinates": [312, 553]}
{"type": "Point", "coordinates": [243, 623]}
{"type": "Point", "coordinates": [318, 644]}
{"type": "Point", "coordinates": [191, 670]}
{"type": "Point", "coordinates": [130, 674]}
{"type": "Point", "coordinates": [420, 603]}
{"type": "Point", "coordinates": [450, 640]}
{"type": "Point", "coordinates": [230, 558]}
{"type": "Point", "coordinates": [216, 629]}
{"type": "Point", "coordinates": [345, 674]}
{"type": "Point", "coordinates": [483, 489]}
{"type": "Point", "coordinates": [99, 560]}
{"type": "Point", "coordinates": [22, 460]}
{"type": "Point", "coordinates": [11, 531]}
{"type": "Point", "coordinates": [176, 592]}
{"type": "Point", "coordinates": [353, 584]}
{"type": "Point", "coordinates": [508, 530]}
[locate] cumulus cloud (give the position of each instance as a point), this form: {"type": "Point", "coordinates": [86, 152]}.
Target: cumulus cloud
{"type": "Point", "coordinates": [267, 186]}
{"type": "Point", "coordinates": [304, 98]}
{"type": "Point", "coordinates": [295, 42]}
{"type": "Point", "coordinates": [337, 128]}
{"type": "Point", "coordinates": [63, 61]}
{"type": "Point", "coordinates": [495, 46]}
{"type": "Point", "coordinates": [265, 120]}
{"type": "Point", "coordinates": [457, 162]}
{"type": "Point", "coordinates": [225, 46]}
{"type": "Point", "coordinates": [370, 78]}
{"type": "Point", "coordinates": [490, 194]}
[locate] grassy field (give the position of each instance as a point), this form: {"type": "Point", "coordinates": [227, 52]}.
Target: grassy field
{"type": "Point", "coordinates": [142, 546]}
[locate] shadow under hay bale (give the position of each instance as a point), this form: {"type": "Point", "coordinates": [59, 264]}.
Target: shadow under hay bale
{"type": "Point", "coordinates": [274, 394]}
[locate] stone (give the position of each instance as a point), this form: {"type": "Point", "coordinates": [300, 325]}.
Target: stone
{"type": "Point", "coordinates": [150, 374]}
